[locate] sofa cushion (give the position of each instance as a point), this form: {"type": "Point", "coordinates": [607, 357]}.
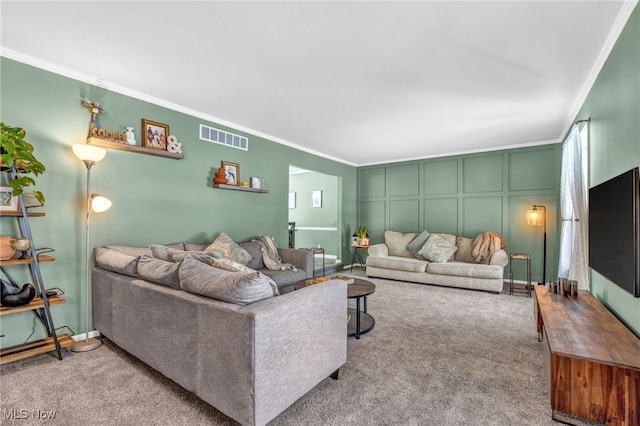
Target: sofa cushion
{"type": "Point", "coordinates": [448, 237]}
{"type": "Point", "coordinates": [463, 254]}
{"type": "Point", "coordinates": [116, 261]}
{"type": "Point", "coordinates": [407, 264]}
{"type": "Point", "coordinates": [253, 248]}
{"type": "Point", "coordinates": [437, 249]}
{"type": "Point", "coordinates": [417, 243]}
{"type": "Point", "coordinates": [229, 249]}
{"type": "Point", "coordinates": [163, 252]}
{"type": "Point", "coordinates": [233, 287]}
{"type": "Point", "coordinates": [131, 251]}
{"type": "Point", "coordinates": [159, 271]}
{"type": "Point", "coordinates": [464, 269]}
{"type": "Point", "coordinates": [397, 243]}
{"type": "Point", "coordinates": [195, 246]}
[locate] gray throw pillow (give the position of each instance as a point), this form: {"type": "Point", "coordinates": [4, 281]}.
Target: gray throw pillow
{"type": "Point", "coordinates": [254, 250]}
{"type": "Point", "coordinates": [233, 287]}
{"type": "Point", "coordinates": [417, 243]}
{"type": "Point", "coordinates": [163, 252]}
{"type": "Point", "coordinates": [205, 255]}
{"type": "Point", "coordinates": [229, 249]}
{"type": "Point", "coordinates": [159, 271]}
{"type": "Point", "coordinates": [131, 251]}
{"type": "Point", "coordinates": [116, 261]}
{"type": "Point", "coordinates": [437, 249]}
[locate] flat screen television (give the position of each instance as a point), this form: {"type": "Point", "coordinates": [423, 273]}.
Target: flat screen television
{"type": "Point", "coordinates": [614, 230]}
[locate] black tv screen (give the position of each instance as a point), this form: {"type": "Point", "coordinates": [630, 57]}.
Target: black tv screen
{"type": "Point", "coordinates": [614, 230]}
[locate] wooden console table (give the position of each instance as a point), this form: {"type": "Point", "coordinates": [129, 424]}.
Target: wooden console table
{"type": "Point", "coordinates": [591, 360]}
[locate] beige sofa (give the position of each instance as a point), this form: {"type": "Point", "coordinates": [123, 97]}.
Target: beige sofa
{"type": "Point", "coordinates": [394, 261]}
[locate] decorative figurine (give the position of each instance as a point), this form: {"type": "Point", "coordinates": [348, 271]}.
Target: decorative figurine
{"type": "Point", "coordinates": [131, 137]}
{"type": "Point", "coordinates": [173, 145]}
{"type": "Point", "coordinates": [95, 109]}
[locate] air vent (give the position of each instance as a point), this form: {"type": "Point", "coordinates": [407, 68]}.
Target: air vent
{"type": "Point", "coordinates": [211, 134]}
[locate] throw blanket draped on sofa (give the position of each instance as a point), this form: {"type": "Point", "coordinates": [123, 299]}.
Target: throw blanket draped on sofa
{"type": "Point", "coordinates": [270, 255]}
{"type": "Point", "coordinates": [485, 245]}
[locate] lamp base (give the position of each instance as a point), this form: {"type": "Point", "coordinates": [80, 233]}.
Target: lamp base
{"type": "Point", "coordinates": [86, 345]}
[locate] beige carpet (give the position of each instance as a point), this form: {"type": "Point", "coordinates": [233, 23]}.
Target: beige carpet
{"type": "Point", "coordinates": [437, 356]}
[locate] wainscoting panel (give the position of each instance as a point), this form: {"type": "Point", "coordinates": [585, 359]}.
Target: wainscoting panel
{"type": "Point", "coordinates": [404, 215]}
{"type": "Point", "coordinates": [440, 177]}
{"type": "Point", "coordinates": [441, 215]}
{"type": "Point", "coordinates": [532, 170]}
{"type": "Point", "coordinates": [373, 214]}
{"type": "Point", "coordinates": [404, 180]}
{"type": "Point", "coordinates": [482, 174]}
{"type": "Point", "coordinates": [372, 182]}
{"type": "Point", "coordinates": [481, 214]}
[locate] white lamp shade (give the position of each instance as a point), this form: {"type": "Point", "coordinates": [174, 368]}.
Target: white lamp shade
{"type": "Point", "coordinates": [87, 152]}
{"type": "Point", "coordinates": [99, 203]}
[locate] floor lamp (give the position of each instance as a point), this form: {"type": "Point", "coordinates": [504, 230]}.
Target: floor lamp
{"type": "Point", "coordinates": [535, 217]}
{"type": "Point", "coordinates": [90, 155]}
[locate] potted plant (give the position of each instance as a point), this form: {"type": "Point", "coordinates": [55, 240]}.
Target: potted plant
{"type": "Point", "coordinates": [362, 231]}
{"type": "Point", "coordinates": [15, 150]}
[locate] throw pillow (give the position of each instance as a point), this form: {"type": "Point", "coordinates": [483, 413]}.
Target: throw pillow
{"type": "Point", "coordinates": [159, 271]}
{"type": "Point", "coordinates": [116, 261]}
{"type": "Point", "coordinates": [417, 243]}
{"type": "Point", "coordinates": [177, 257]}
{"type": "Point", "coordinates": [437, 249]}
{"type": "Point", "coordinates": [229, 249]}
{"type": "Point", "coordinates": [241, 289]}
{"type": "Point", "coordinates": [254, 250]}
{"type": "Point", "coordinates": [131, 251]}
{"type": "Point", "coordinates": [463, 254]}
{"type": "Point", "coordinates": [397, 243]}
{"type": "Point", "coordinates": [163, 252]}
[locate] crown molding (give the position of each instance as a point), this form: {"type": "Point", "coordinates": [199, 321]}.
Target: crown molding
{"type": "Point", "coordinates": [95, 81]}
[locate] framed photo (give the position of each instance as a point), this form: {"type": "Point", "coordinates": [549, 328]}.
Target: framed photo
{"type": "Point", "coordinates": [232, 172]}
{"type": "Point", "coordinates": [292, 200]}
{"type": "Point", "coordinates": [8, 202]}
{"type": "Point", "coordinates": [154, 134]}
{"type": "Point", "coordinates": [316, 198]}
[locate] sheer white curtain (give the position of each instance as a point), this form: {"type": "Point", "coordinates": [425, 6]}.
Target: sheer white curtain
{"type": "Point", "coordinates": [573, 263]}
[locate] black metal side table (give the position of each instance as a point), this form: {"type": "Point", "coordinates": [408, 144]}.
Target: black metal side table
{"type": "Point", "coordinates": [357, 256]}
{"type": "Point", "coordinates": [520, 256]}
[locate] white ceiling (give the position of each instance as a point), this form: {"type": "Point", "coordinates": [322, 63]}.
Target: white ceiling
{"type": "Point", "coordinates": [361, 82]}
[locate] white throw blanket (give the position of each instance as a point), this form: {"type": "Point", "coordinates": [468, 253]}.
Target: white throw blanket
{"type": "Point", "coordinates": [270, 256]}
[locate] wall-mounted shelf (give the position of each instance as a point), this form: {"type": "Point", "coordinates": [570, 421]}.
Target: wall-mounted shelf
{"type": "Point", "coordinates": [16, 214]}
{"type": "Point", "coordinates": [26, 261]}
{"type": "Point", "coordinates": [240, 188]}
{"type": "Point", "coordinates": [106, 143]}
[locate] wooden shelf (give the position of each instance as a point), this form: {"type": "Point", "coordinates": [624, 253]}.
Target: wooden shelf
{"type": "Point", "coordinates": [239, 188]}
{"type": "Point", "coordinates": [36, 303]}
{"type": "Point", "coordinates": [19, 214]}
{"type": "Point", "coordinates": [19, 352]}
{"type": "Point", "coordinates": [41, 258]}
{"type": "Point", "coordinates": [106, 143]}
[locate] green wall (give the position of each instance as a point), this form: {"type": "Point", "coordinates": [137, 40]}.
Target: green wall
{"type": "Point", "coordinates": [467, 195]}
{"type": "Point", "coordinates": [155, 200]}
{"type": "Point", "coordinates": [304, 215]}
{"type": "Point", "coordinates": [614, 144]}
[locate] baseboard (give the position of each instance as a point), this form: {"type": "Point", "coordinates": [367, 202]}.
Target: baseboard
{"type": "Point", "coordinates": [93, 333]}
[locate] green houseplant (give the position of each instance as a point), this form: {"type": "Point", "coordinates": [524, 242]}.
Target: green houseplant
{"type": "Point", "coordinates": [15, 150]}
{"type": "Point", "coordinates": [362, 231]}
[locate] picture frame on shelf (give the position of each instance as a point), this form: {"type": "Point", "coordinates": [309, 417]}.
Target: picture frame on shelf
{"type": "Point", "coordinates": [316, 199]}
{"type": "Point", "coordinates": [8, 201]}
{"type": "Point", "coordinates": [232, 172]}
{"type": "Point", "coordinates": [154, 134]}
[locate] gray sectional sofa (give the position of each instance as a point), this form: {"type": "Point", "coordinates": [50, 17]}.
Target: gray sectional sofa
{"type": "Point", "coordinates": [393, 261]}
{"type": "Point", "coordinates": [249, 361]}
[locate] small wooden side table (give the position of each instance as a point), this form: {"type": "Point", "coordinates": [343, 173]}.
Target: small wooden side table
{"type": "Point", "coordinates": [520, 256]}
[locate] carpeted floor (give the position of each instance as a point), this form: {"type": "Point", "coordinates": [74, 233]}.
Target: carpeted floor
{"type": "Point", "coordinates": [437, 356]}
